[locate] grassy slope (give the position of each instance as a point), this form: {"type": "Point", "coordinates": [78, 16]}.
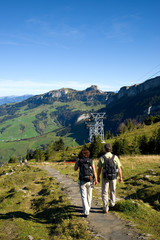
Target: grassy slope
{"type": "Point", "coordinates": [19, 134]}
{"type": "Point", "coordinates": [11, 129]}
{"type": "Point", "coordinates": [32, 206]}
{"type": "Point", "coordinates": [140, 188]}
{"type": "Point", "coordinates": [143, 129]}
{"type": "Point", "coordinates": [147, 130]}
{"type": "Point", "coordinates": [19, 148]}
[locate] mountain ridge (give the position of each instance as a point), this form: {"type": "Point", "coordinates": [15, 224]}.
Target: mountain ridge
{"type": "Point", "coordinates": [69, 94]}
{"type": "Point", "coordinates": [135, 102]}
{"type": "Point", "coordinates": [13, 99]}
{"type": "Point", "coordinates": [135, 89]}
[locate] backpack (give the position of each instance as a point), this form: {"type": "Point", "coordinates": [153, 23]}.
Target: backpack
{"type": "Point", "coordinates": [110, 171]}
{"type": "Point", "coordinates": [86, 172]}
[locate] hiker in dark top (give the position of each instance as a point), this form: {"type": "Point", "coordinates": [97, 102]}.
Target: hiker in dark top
{"type": "Point", "coordinates": [111, 168]}
{"type": "Point", "coordinates": [87, 175]}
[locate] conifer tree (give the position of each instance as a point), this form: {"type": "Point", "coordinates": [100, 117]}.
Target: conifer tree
{"type": "Point", "coordinates": [108, 135]}
{"type": "Point", "coordinates": [143, 144]}
{"type": "Point", "coordinates": [135, 146]}
{"type": "Point", "coordinates": [39, 155]}
{"type": "Point", "coordinates": [96, 147]}
{"type": "Point", "coordinates": [59, 145]}
{"type": "Point", "coordinates": [157, 147]}
{"type": "Point", "coordinates": [152, 143]}
{"type": "Point", "coordinates": [50, 153]}
{"type": "Point", "coordinates": [120, 147]}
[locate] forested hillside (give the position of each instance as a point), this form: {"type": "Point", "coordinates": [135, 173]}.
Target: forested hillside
{"type": "Point", "coordinates": [135, 102]}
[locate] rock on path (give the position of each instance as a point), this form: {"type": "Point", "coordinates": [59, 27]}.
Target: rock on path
{"type": "Point", "coordinates": [106, 226]}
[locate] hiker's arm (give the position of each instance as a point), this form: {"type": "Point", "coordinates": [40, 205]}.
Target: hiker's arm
{"type": "Point", "coordinates": [95, 175]}
{"type": "Point", "coordinates": [75, 167]}
{"type": "Point", "coordinates": [98, 174]}
{"type": "Point", "coordinates": [120, 174]}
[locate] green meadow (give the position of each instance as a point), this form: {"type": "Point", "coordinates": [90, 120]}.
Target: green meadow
{"type": "Point", "coordinates": [19, 148]}
{"type": "Point", "coordinates": [33, 128]}
{"type": "Point", "coordinates": [32, 206]}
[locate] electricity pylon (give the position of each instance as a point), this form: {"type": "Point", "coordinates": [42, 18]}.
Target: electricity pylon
{"type": "Point", "coordinates": [95, 125]}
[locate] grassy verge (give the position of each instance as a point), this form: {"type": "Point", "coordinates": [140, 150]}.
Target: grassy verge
{"type": "Point", "coordinates": [32, 206]}
{"type": "Point", "coordinates": [139, 192]}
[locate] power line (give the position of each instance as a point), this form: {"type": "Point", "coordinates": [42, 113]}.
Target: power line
{"type": "Point", "coordinates": [153, 75]}
{"type": "Point", "coordinates": [150, 72]}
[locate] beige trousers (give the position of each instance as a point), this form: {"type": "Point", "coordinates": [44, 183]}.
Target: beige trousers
{"type": "Point", "coordinates": [86, 195]}
{"type": "Point", "coordinates": [106, 186]}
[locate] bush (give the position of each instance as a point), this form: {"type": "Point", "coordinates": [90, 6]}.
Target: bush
{"type": "Point", "coordinates": [152, 119]}
{"type": "Point", "coordinates": [39, 155]}
{"type": "Point", "coordinates": [12, 159]}
{"type": "Point", "coordinates": [120, 147]}
{"type": "Point", "coordinates": [126, 206]}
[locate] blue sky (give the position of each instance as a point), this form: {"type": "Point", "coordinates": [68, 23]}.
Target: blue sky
{"type": "Point", "coordinates": [51, 44]}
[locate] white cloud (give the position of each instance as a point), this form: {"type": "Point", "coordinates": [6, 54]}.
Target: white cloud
{"type": "Point", "coordinates": [53, 29]}
{"type": "Point", "coordinates": [122, 28]}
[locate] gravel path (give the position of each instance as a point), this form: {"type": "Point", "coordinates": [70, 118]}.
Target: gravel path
{"type": "Point", "coordinates": [105, 226]}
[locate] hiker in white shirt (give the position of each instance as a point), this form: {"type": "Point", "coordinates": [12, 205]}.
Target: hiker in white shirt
{"type": "Point", "coordinates": [109, 177]}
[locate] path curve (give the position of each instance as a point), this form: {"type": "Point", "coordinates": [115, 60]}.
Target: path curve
{"type": "Point", "coordinates": [106, 226]}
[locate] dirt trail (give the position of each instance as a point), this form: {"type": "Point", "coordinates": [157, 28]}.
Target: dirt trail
{"type": "Point", "coordinates": [106, 226]}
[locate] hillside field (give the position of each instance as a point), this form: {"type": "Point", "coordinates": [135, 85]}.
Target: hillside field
{"type": "Point", "coordinates": [33, 128]}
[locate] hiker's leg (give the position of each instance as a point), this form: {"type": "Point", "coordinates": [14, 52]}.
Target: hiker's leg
{"type": "Point", "coordinates": [83, 191]}
{"type": "Point", "coordinates": [89, 194]}
{"type": "Point", "coordinates": [112, 186]}
{"type": "Point", "coordinates": [105, 185]}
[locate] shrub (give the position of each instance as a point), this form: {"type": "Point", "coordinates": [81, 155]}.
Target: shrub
{"type": "Point", "coordinates": [120, 147]}
{"type": "Point", "coordinates": [12, 159]}
{"type": "Point", "coordinates": [126, 206]}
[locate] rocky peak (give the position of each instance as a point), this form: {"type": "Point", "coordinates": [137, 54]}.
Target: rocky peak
{"type": "Point", "coordinates": [58, 93]}
{"type": "Point", "coordinates": [130, 91]}
{"type": "Point", "coordinates": [93, 88]}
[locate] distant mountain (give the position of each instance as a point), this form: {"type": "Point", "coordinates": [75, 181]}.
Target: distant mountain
{"type": "Point", "coordinates": [13, 99]}
{"type": "Point", "coordinates": [134, 102]}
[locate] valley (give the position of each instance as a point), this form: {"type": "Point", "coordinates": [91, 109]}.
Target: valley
{"type": "Point", "coordinates": [38, 120]}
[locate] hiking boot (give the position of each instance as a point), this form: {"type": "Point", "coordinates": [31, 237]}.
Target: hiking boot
{"type": "Point", "coordinates": [105, 211]}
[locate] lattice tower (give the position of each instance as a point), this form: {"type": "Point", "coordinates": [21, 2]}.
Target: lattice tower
{"type": "Point", "coordinates": [95, 125]}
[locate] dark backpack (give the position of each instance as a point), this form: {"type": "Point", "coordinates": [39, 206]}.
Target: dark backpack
{"type": "Point", "coordinates": [86, 172]}
{"type": "Point", "coordinates": [110, 171]}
